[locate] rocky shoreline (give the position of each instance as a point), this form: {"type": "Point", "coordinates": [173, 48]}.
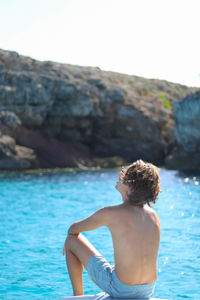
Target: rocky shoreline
{"type": "Point", "coordinates": [58, 115]}
{"type": "Point", "coordinates": [186, 153]}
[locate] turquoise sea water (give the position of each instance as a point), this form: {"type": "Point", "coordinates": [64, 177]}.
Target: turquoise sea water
{"type": "Point", "coordinates": [37, 209]}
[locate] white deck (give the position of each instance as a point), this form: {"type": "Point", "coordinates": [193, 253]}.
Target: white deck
{"type": "Point", "coordinates": [102, 296]}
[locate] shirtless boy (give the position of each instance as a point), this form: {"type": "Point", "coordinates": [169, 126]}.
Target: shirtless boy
{"type": "Point", "coordinates": [135, 230]}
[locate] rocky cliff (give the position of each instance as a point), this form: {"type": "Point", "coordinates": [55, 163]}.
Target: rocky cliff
{"type": "Point", "coordinates": [186, 155]}
{"type": "Point", "coordinates": [68, 115]}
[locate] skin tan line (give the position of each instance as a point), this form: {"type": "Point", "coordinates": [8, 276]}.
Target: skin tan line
{"type": "Point", "coordinates": [136, 237]}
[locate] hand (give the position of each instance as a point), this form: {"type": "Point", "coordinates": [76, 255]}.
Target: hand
{"type": "Point", "coordinates": [64, 248]}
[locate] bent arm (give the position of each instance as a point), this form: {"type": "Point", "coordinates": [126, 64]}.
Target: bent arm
{"type": "Point", "coordinates": [98, 219]}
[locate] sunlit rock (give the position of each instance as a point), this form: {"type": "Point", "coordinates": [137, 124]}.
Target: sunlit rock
{"type": "Point", "coordinates": [87, 113]}
{"type": "Point", "coordinates": [186, 155]}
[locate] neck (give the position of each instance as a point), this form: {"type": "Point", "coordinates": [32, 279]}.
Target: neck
{"type": "Point", "coordinates": [127, 201]}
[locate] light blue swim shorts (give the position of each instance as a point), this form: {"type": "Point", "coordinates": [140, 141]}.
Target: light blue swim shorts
{"type": "Point", "coordinates": [104, 276]}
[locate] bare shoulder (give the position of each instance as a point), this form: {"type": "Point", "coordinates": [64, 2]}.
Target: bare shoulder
{"type": "Point", "coordinates": [154, 216]}
{"type": "Point", "coordinates": [109, 213]}
{"type": "Point", "coordinates": [109, 210]}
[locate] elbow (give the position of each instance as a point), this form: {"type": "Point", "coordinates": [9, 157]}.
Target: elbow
{"type": "Point", "coordinates": [72, 229]}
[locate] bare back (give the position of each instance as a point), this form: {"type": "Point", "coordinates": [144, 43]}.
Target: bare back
{"type": "Point", "coordinates": [136, 238]}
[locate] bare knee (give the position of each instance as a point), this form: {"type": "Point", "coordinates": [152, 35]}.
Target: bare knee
{"type": "Point", "coordinates": [71, 238]}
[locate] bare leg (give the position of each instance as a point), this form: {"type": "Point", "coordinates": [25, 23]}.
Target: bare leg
{"type": "Point", "coordinates": [75, 268]}
{"type": "Point", "coordinates": [78, 253]}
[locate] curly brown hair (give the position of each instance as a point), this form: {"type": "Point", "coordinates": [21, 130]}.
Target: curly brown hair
{"type": "Point", "coordinates": [144, 181]}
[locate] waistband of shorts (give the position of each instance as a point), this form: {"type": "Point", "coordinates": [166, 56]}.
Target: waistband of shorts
{"type": "Point", "coordinates": [139, 286]}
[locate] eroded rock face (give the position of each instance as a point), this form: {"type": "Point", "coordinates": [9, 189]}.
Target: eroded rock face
{"type": "Point", "coordinates": [14, 157]}
{"type": "Point", "coordinates": [8, 122]}
{"type": "Point", "coordinates": [187, 117]}
{"type": "Point", "coordinates": [50, 151]}
{"type": "Point", "coordinates": [187, 132]}
{"type": "Point", "coordinates": [85, 112]}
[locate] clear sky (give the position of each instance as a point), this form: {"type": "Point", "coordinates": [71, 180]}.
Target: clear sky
{"type": "Point", "coordinates": [149, 38]}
